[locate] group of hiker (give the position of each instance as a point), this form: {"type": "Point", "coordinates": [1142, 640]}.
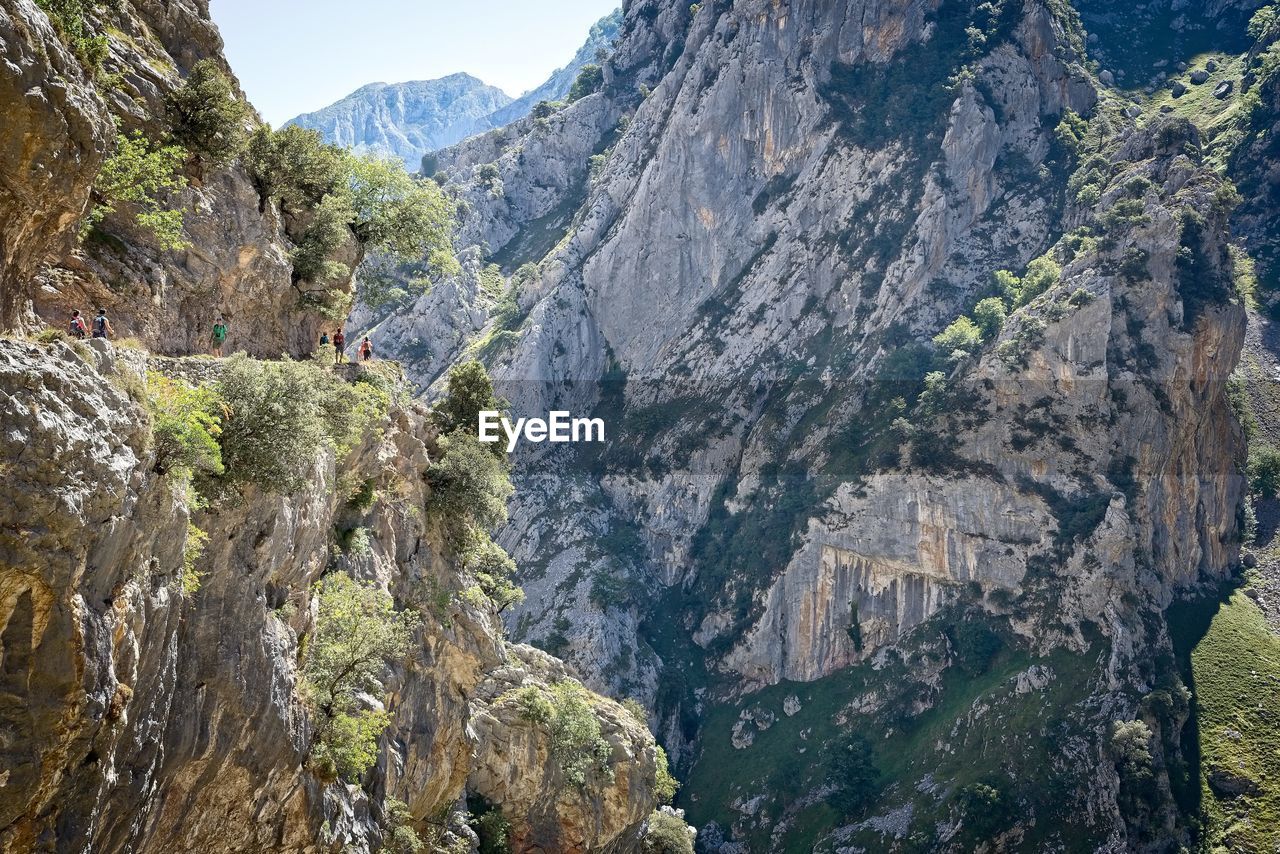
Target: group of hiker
{"type": "Point", "coordinates": [101, 326]}
{"type": "Point", "coordinates": [365, 350]}
{"type": "Point", "coordinates": [102, 329]}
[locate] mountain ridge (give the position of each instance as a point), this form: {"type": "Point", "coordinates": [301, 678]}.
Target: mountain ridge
{"type": "Point", "coordinates": [413, 118]}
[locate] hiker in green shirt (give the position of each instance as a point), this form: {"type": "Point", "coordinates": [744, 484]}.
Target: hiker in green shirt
{"type": "Point", "coordinates": [219, 336]}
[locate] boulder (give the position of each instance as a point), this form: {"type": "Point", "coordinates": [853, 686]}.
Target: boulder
{"type": "Point", "coordinates": [1199, 76]}
{"type": "Point", "coordinates": [1223, 89]}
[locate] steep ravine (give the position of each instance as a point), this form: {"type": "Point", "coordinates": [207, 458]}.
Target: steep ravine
{"type": "Point", "coordinates": [815, 521]}
{"type": "Point", "coordinates": [154, 639]}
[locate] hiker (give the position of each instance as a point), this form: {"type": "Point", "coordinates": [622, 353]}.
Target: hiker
{"type": "Point", "coordinates": [366, 349]}
{"type": "Point", "coordinates": [78, 328]}
{"type": "Point", "coordinates": [339, 341]}
{"type": "Point", "coordinates": [219, 336]}
{"type": "Point", "coordinates": [324, 339]}
{"type": "Point", "coordinates": [102, 326]}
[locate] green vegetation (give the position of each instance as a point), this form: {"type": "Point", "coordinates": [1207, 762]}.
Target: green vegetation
{"type": "Point", "coordinates": [494, 570]}
{"type": "Point", "coordinates": [469, 487]}
{"type": "Point", "coordinates": [490, 825]}
{"type": "Point", "coordinates": [185, 425]}
{"type": "Point", "coordinates": [588, 81]}
{"type": "Point", "coordinates": [74, 23]}
{"type": "Point", "coordinates": [279, 415]}
{"type": "Point", "coordinates": [851, 768]}
{"type": "Point", "coordinates": [971, 729]}
{"type": "Point", "coordinates": [139, 174]}
{"type": "Point", "coordinates": [468, 392]}
{"type": "Point", "coordinates": [398, 220]}
{"type": "Point", "coordinates": [962, 338]}
{"type": "Point", "coordinates": [577, 744]}
{"type": "Point", "coordinates": [205, 116]}
{"type": "Point", "coordinates": [401, 837]}
{"type": "Point", "coordinates": [1042, 274]}
{"type": "Point", "coordinates": [1235, 668]}
{"type": "Point", "coordinates": [665, 785]}
{"type": "Point", "coordinates": [293, 166]}
{"type": "Point", "coordinates": [357, 632]}
{"type": "Point", "coordinates": [192, 548]}
{"type": "Point", "coordinates": [1264, 470]}
{"type": "Point", "coordinates": [664, 833]}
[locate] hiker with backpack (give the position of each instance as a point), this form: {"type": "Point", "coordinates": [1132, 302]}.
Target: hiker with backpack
{"type": "Point", "coordinates": [219, 336]}
{"type": "Point", "coordinates": [324, 339]}
{"type": "Point", "coordinates": [78, 329]}
{"type": "Point", "coordinates": [339, 341]}
{"type": "Point", "coordinates": [102, 326]}
{"type": "Point", "coordinates": [366, 349]}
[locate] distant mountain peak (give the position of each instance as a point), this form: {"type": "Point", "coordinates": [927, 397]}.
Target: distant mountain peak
{"type": "Point", "coordinates": [410, 119]}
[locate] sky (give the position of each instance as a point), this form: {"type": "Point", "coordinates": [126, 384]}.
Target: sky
{"type": "Point", "coordinates": [296, 56]}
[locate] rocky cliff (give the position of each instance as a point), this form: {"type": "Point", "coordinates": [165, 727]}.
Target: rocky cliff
{"type": "Point", "coordinates": [739, 251]}
{"type": "Point", "coordinates": [236, 257]}
{"type": "Point", "coordinates": [143, 715]}
{"type": "Point", "coordinates": [153, 639]}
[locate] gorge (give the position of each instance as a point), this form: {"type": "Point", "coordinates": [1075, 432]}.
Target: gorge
{"type": "Point", "coordinates": [933, 344]}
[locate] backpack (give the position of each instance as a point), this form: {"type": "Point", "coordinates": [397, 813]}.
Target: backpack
{"type": "Point", "coordinates": [219, 332]}
{"type": "Point", "coordinates": [77, 327]}
{"type": "Point", "coordinates": [100, 326]}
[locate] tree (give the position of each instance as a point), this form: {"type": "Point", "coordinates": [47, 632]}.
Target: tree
{"type": "Point", "coordinates": [313, 253]}
{"type": "Point", "coordinates": [279, 415]}
{"type": "Point", "coordinates": [665, 784]}
{"type": "Point", "coordinates": [494, 570]}
{"type": "Point", "coordinates": [577, 742]}
{"type": "Point", "coordinates": [469, 486]}
{"type": "Point", "coordinates": [293, 165]}
{"type": "Point", "coordinates": [989, 315]}
{"type": "Point", "coordinates": [73, 19]}
{"type": "Point", "coordinates": [588, 81]}
{"type": "Point", "coordinates": [185, 425]}
{"type": "Point", "coordinates": [394, 212]}
{"type": "Point", "coordinates": [851, 768]}
{"type": "Point", "coordinates": [468, 392]}
{"type": "Point", "coordinates": [985, 811]}
{"type": "Point", "coordinates": [139, 174]}
{"type": "Point", "coordinates": [358, 631]}
{"type": "Point", "coordinates": [961, 338]}
{"type": "Point", "coordinates": [206, 116]}
{"type": "Point", "coordinates": [665, 833]}
{"type": "Point", "coordinates": [273, 428]}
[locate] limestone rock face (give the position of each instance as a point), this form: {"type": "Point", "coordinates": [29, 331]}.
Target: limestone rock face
{"type": "Point", "coordinates": [237, 264]}
{"type": "Point", "coordinates": [139, 717]}
{"type": "Point", "coordinates": [56, 132]}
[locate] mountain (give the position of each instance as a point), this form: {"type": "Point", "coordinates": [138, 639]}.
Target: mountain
{"type": "Point", "coordinates": [407, 119]}
{"type": "Point", "coordinates": [160, 633]}
{"type": "Point", "coordinates": [413, 119]}
{"type": "Point", "coordinates": [600, 39]}
{"type": "Point", "coordinates": [923, 499]}
{"type": "Point", "coordinates": [936, 346]}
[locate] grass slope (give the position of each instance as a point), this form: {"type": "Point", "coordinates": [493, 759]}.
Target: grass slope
{"type": "Point", "coordinates": [1236, 667]}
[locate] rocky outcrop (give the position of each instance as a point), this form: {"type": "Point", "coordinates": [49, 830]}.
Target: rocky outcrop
{"type": "Point", "coordinates": [407, 120]}
{"type": "Point", "coordinates": [237, 262]}
{"type": "Point", "coordinates": [137, 716]}
{"type": "Point", "coordinates": [56, 132]}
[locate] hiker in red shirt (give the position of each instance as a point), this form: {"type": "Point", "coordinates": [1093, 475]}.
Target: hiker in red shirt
{"type": "Point", "coordinates": [366, 349]}
{"type": "Point", "coordinates": [339, 341]}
